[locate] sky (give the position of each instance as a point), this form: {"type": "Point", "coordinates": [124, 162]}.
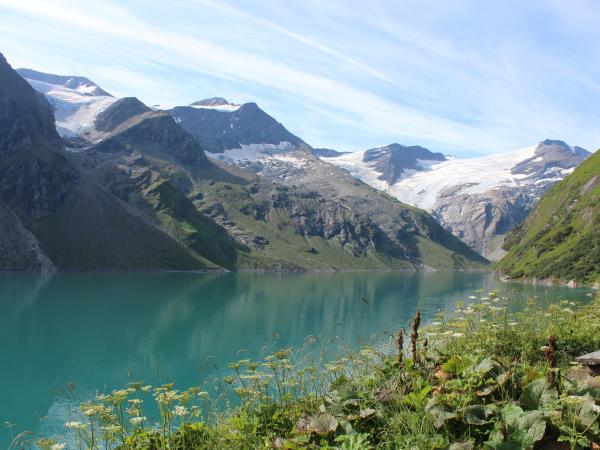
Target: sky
{"type": "Point", "coordinates": [466, 77]}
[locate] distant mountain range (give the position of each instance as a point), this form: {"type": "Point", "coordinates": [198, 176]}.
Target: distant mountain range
{"type": "Point", "coordinates": [122, 186]}
{"type": "Point", "coordinates": [479, 199]}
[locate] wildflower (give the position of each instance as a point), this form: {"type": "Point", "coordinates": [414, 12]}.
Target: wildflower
{"type": "Point", "coordinates": [203, 394]}
{"type": "Point", "coordinates": [457, 335]}
{"type": "Point", "coordinates": [180, 410]}
{"type": "Point", "coordinates": [472, 297]}
{"type": "Point", "coordinates": [196, 411]}
{"type": "Point", "coordinates": [547, 314]}
{"type": "Point", "coordinates": [74, 425]}
{"type": "Point", "coordinates": [57, 446]}
{"type": "Point", "coordinates": [111, 429]}
{"type": "Point", "coordinates": [512, 324]}
{"type": "Point", "coordinates": [89, 412]}
{"type": "Point", "coordinates": [138, 420]}
{"type": "Point", "coordinates": [146, 388]}
{"type": "Point", "coordinates": [573, 400]}
{"type": "Point", "coordinates": [567, 310]}
{"type": "Point", "coordinates": [543, 348]}
{"type": "Point", "coordinates": [436, 324]}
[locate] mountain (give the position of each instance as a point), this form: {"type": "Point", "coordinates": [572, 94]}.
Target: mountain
{"type": "Point", "coordinates": [119, 112]}
{"type": "Point", "coordinates": [479, 199]}
{"type": "Point", "coordinates": [560, 238]}
{"type": "Point", "coordinates": [395, 161]}
{"type": "Point", "coordinates": [224, 128]}
{"type": "Point", "coordinates": [56, 210]}
{"type": "Point", "coordinates": [261, 200]}
{"type": "Point", "coordinates": [373, 222]}
{"type": "Point", "coordinates": [76, 100]}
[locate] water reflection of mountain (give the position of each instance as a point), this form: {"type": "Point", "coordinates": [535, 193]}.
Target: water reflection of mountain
{"type": "Point", "coordinates": [94, 329]}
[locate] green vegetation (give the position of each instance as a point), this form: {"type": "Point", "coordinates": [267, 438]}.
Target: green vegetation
{"type": "Point", "coordinates": [560, 238]}
{"type": "Point", "coordinates": [479, 378]}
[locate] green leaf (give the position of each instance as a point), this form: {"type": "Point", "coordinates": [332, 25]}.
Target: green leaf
{"type": "Point", "coordinates": [539, 394]}
{"type": "Point", "coordinates": [455, 365]}
{"type": "Point", "coordinates": [512, 413]}
{"type": "Point", "coordinates": [477, 414]}
{"type": "Point", "coordinates": [485, 366]}
{"type": "Point", "coordinates": [531, 428]}
{"type": "Point", "coordinates": [438, 413]}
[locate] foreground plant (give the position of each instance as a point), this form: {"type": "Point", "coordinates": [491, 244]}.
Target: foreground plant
{"type": "Point", "coordinates": [479, 378]}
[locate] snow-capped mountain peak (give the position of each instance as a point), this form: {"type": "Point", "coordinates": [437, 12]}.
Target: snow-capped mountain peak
{"type": "Point", "coordinates": [216, 103]}
{"type": "Point", "coordinates": [478, 199]}
{"type": "Point", "coordinates": [77, 101]}
{"type": "Point", "coordinates": [80, 85]}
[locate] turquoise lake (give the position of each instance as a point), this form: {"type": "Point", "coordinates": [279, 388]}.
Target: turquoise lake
{"type": "Point", "coordinates": [99, 331]}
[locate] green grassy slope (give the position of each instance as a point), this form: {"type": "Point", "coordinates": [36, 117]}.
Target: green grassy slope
{"type": "Point", "coordinates": [92, 230]}
{"type": "Point", "coordinates": [561, 236]}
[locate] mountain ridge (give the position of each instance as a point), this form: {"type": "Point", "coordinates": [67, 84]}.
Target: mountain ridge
{"type": "Point", "coordinates": [278, 207]}
{"type": "Point", "coordinates": [559, 240]}
{"type": "Point", "coordinates": [478, 199]}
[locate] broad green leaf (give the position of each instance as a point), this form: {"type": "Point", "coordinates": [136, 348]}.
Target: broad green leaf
{"type": "Point", "coordinates": [485, 366]}
{"type": "Point", "coordinates": [477, 414]}
{"type": "Point", "coordinates": [439, 414]}
{"type": "Point", "coordinates": [512, 413]}
{"type": "Point", "coordinates": [531, 428]}
{"type": "Point", "coordinates": [539, 394]}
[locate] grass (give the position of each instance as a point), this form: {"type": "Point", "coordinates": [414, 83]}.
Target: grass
{"type": "Point", "coordinates": [480, 377]}
{"type": "Point", "coordinates": [560, 238]}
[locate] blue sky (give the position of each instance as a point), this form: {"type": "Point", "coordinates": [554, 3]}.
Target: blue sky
{"type": "Point", "coordinates": [463, 76]}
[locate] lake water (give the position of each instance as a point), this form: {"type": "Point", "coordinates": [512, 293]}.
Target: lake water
{"type": "Point", "coordinates": [99, 331]}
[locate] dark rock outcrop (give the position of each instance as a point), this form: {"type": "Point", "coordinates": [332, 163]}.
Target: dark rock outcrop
{"type": "Point", "coordinates": [217, 131]}
{"type": "Point", "coordinates": [395, 160]}
{"type": "Point", "coordinates": [34, 173]}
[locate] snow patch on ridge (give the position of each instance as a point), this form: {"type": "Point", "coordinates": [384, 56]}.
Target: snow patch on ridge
{"type": "Point", "coordinates": [257, 152]}
{"type": "Point", "coordinates": [422, 188]}
{"type": "Point", "coordinates": [223, 108]}
{"type": "Point", "coordinates": [74, 109]}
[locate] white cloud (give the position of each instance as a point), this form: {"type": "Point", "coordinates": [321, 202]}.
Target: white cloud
{"type": "Point", "coordinates": [390, 77]}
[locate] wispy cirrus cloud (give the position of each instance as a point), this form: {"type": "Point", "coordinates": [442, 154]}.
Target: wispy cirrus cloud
{"type": "Point", "coordinates": [340, 75]}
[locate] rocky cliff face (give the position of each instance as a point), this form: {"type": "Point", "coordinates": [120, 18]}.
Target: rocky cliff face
{"type": "Point", "coordinates": [34, 174]}
{"type": "Point", "coordinates": [479, 200]}
{"type": "Point", "coordinates": [218, 129]}
{"type": "Point", "coordinates": [155, 134]}
{"type": "Point", "coordinates": [396, 161]}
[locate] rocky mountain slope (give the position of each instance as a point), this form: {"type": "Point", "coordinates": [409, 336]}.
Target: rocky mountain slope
{"type": "Point", "coordinates": [478, 199]}
{"type": "Point", "coordinates": [276, 155]}
{"type": "Point", "coordinates": [55, 210]}
{"type": "Point", "coordinates": [560, 239]}
{"type": "Point", "coordinates": [290, 211]}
